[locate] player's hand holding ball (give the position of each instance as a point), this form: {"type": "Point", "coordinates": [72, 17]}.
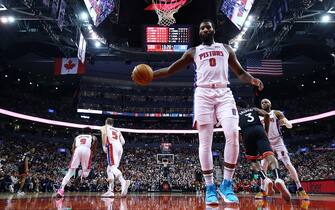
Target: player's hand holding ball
{"type": "Point", "coordinates": [142, 74]}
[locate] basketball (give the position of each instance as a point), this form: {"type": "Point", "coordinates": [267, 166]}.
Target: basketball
{"type": "Point", "coordinates": [142, 74]}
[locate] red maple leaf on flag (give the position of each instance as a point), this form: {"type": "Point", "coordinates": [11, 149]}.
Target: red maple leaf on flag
{"type": "Point", "coordinates": [69, 65]}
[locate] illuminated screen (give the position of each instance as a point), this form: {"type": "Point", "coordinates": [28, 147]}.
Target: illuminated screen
{"type": "Point", "coordinates": [167, 39]}
{"type": "Point", "coordinates": [237, 10]}
{"type": "Point", "coordinates": [99, 9]}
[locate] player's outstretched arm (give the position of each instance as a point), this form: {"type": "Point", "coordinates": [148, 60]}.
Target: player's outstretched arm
{"type": "Point", "coordinates": [266, 116]}
{"type": "Point", "coordinates": [283, 120]}
{"type": "Point", "coordinates": [122, 139]}
{"type": "Point", "coordinates": [178, 65]}
{"type": "Point", "coordinates": [103, 138]}
{"type": "Point", "coordinates": [240, 72]}
{"type": "Point", "coordinates": [73, 148]}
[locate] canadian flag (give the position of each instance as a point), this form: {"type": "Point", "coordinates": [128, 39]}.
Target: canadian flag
{"type": "Point", "coordinates": [69, 66]}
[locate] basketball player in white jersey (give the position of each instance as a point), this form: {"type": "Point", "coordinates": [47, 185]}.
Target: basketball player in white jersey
{"type": "Point", "coordinates": [112, 142]}
{"type": "Point", "coordinates": [82, 154]}
{"type": "Point", "coordinates": [214, 101]}
{"type": "Point", "coordinates": [278, 119]}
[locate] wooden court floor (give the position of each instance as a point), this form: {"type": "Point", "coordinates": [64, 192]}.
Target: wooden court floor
{"type": "Point", "coordinates": [156, 201]}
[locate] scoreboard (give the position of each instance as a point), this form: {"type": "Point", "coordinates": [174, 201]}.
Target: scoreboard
{"type": "Point", "coordinates": [167, 39]}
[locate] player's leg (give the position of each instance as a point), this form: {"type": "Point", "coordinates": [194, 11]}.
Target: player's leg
{"type": "Point", "coordinates": [253, 155]}
{"type": "Point", "coordinates": [110, 175]}
{"type": "Point", "coordinates": [203, 121]}
{"type": "Point", "coordinates": [227, 115]}
{"type": "Point", "coordinates": [265, 149]}
{"type": "Point", "coordinates": [66, 179]}
{"type": "Point", "coordinates": [117, 173]}
{"type": "Point", "coordinates": [75, 161]}
{"type": "Point", "coordinates": [231, 152]}
{"type": "Point", "coordinates": [284, 157]}
{"type": "Point", "coordinates": [22, 181]}
{"type": "Point", "coordinates": [110, 179]}
{"type": "Point", "coordinates": [206, 161]}
{"type": "Point", "coordinates": [85, 162]}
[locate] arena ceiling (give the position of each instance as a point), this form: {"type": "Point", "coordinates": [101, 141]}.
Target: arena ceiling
{"type": "Point", "coordinates": [304, 43]}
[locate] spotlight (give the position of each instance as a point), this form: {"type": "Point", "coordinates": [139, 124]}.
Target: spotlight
{"type": "Point", "coordinates": [4, 19]}
{"type": "Point", "coordinates": [94, 35]}
{"type": "Point", "coordinates": [239, 37]}
{"type": "Point", "coordinates": [251, 18]}
{"type": "Point", "coordinates": [97, 44]}
{"type": "Point", "coordinates": [302, 85]}
{"type": "Point", "coordinates": [247, 23]}
{"type": "Point", "coordinates": [11, 19]}
{"type": "Point", "coordinates": [325, 18]}
{"type": "Point", "coordinates": [83, 16]}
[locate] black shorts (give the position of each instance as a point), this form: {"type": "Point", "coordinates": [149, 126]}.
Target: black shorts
{"type": "Point", "coordinates": [256, 142]}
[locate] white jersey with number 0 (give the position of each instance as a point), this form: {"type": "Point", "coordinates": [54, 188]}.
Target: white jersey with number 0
{"type": "Point", "coordinates": [83, 140]}
{"type": "Point", "coordinates": [211, 64]}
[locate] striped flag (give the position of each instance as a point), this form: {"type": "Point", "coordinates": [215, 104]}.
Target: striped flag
{"type": "Point", "coordinates": [265, 66]}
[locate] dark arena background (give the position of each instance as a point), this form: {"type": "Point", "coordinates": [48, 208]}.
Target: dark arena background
{"type": "Point", "coordinates": [67, 64]}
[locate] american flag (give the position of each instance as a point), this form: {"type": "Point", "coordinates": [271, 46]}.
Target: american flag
{"type": "Point", "coordinates": [265, 66]}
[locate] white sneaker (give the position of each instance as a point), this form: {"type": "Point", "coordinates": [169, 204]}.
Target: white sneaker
{"type": "Point", "coordinates": [280, 185]}
{"type": "Point", "coordinates": [20, 193]}
{"type": "Point", "coordinates": [268, 187]}
{"type": "Point", "coordinates": [124, 188]}
{"type": "Point", "coordinates": [108, 194]}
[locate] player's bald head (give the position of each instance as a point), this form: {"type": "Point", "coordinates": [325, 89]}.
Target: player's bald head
{"type": "Point", "coordinates": [266, 104]}
{"type": "Point", "coordinates": [266, 100]}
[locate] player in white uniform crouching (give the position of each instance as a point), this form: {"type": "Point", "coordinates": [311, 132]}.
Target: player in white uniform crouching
{"type": "Point", "coordinates": [214, 101]}
{"type": "Point", "coordinates": [278, 119]}
{"type": "Point", "coordinates": [82, 154]}
{"type": "Point", "coordinates": [112, 142]}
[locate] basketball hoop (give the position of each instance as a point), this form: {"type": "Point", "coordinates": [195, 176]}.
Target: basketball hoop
{"type": "Point", "coordinates": [165, 9]}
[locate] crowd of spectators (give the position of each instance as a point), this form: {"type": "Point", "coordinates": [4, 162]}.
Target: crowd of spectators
{"type": "Point", "coordinates": [139, 164]}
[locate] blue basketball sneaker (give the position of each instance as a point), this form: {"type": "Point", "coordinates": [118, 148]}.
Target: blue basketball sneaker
{"type": "Point", "coordinates": [227, 193]}
{"type": "Point", "coordinates": [210, 196]}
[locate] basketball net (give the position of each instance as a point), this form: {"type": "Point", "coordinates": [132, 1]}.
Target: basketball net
{"type": "Point", "coordinates": [165, 9]}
